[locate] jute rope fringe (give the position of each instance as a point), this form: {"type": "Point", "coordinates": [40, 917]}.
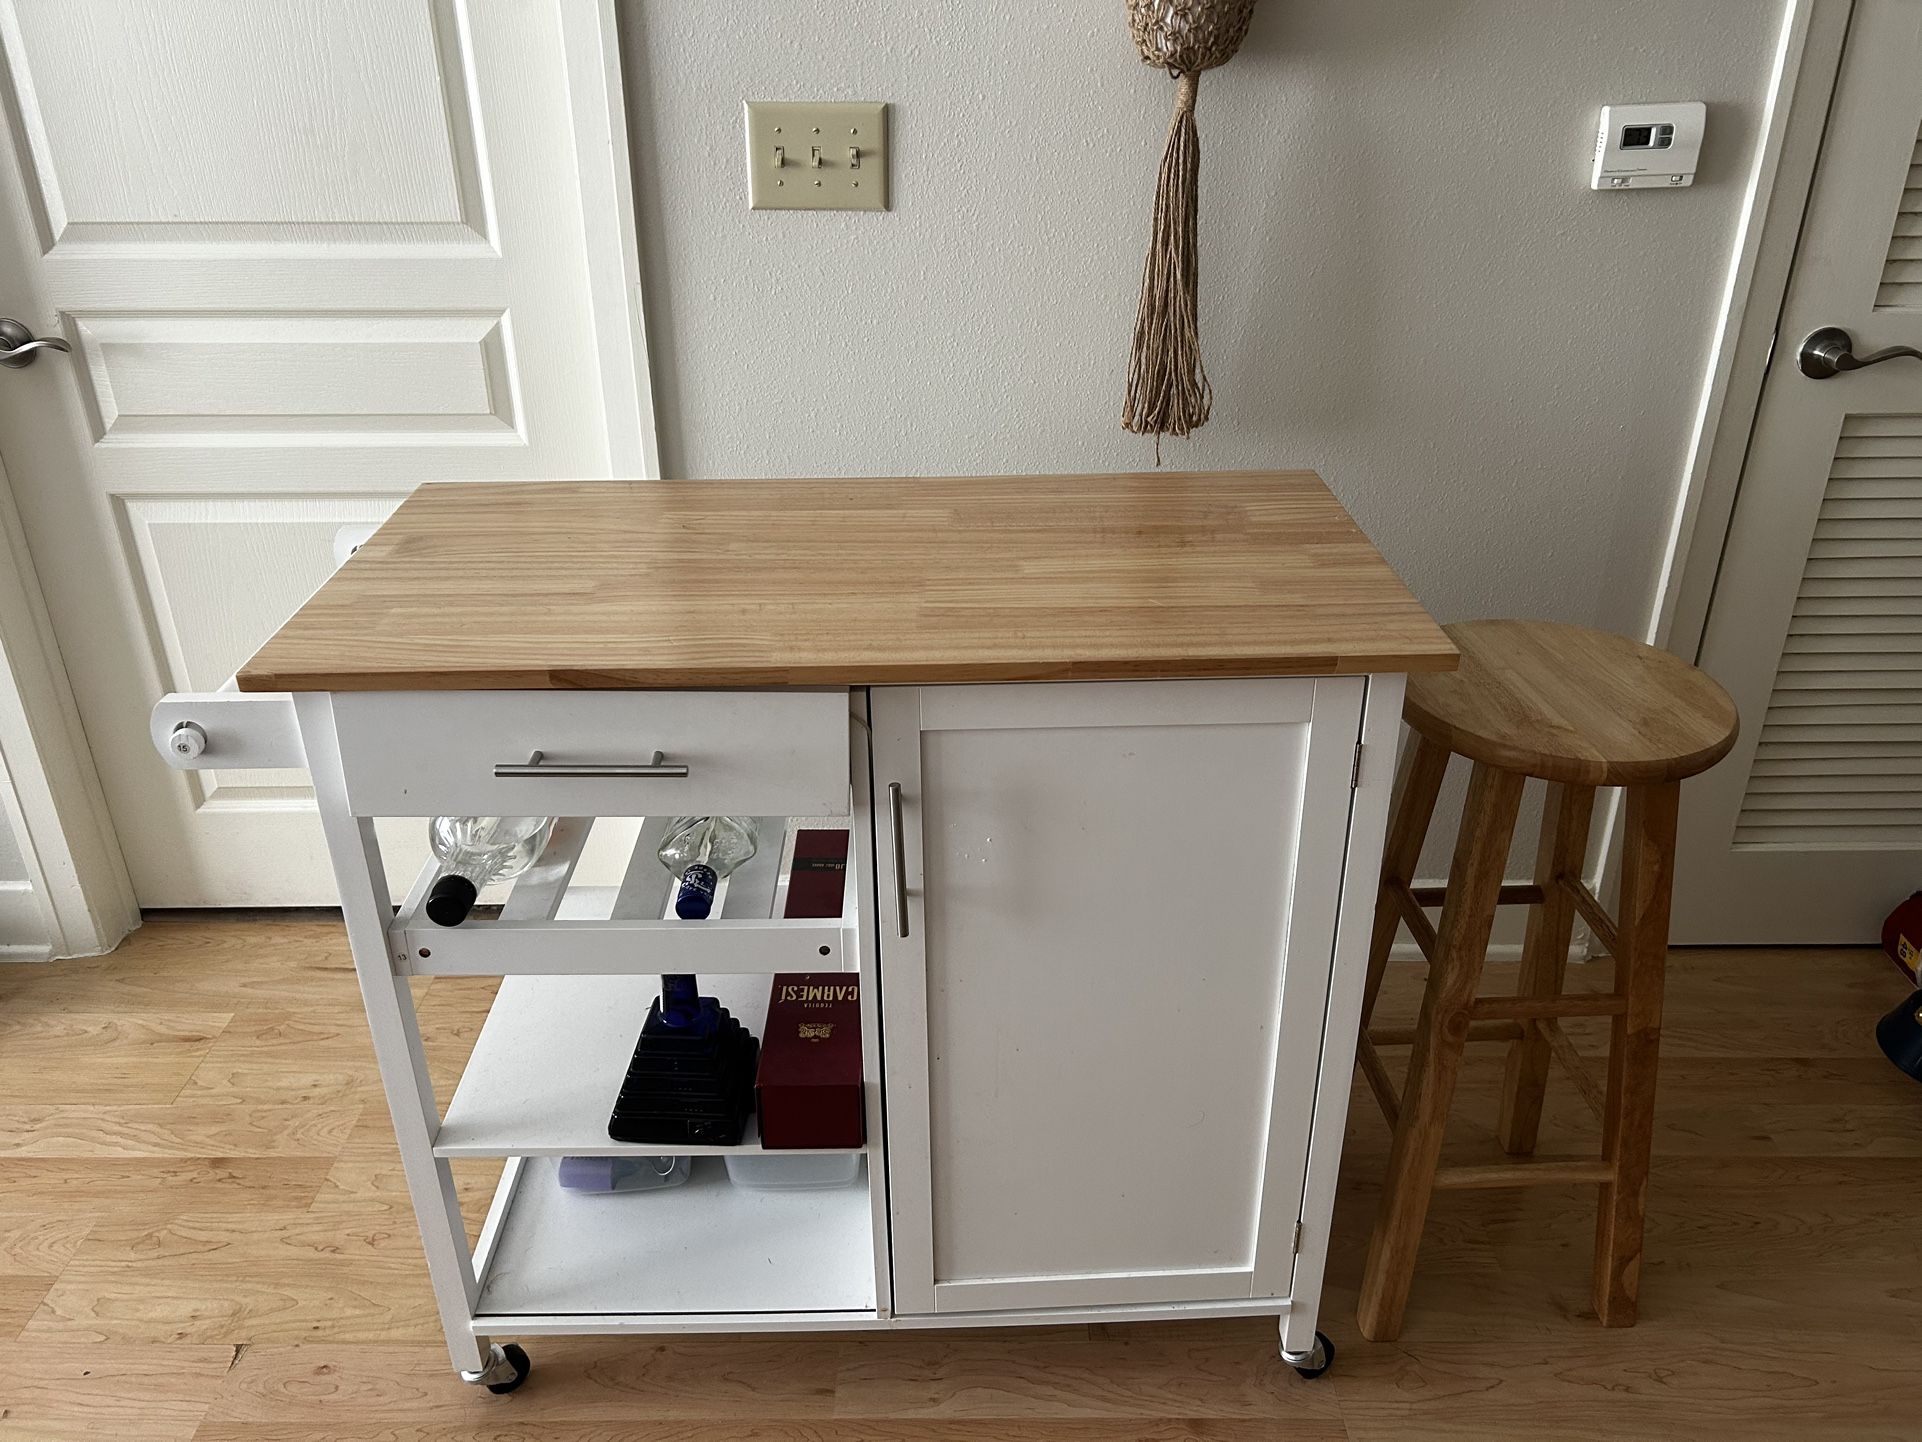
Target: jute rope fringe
{"type": "Point", "coordinates": [1168, 391]}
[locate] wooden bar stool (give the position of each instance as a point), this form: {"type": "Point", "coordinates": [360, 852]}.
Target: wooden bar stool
{"type": "Point", "coordinates": [1580, 709]}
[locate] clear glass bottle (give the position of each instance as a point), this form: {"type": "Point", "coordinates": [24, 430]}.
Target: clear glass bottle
{"type": "Point", "coordinates": [474, 850]}
{"type": "Point", "coordinates": [700, 850]}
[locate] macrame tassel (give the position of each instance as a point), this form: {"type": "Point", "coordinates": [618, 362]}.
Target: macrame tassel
{"type": "Point", "coordinates": [1168, 391]}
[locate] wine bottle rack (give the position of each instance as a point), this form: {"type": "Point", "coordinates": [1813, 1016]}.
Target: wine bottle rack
{"type": "Point", "coordinates": [531, 937]}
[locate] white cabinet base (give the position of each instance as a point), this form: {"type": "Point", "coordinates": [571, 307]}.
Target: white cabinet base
{"type": "Point", "coordinates": [1031, 801]}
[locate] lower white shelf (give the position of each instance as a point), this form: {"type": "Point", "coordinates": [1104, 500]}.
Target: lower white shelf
{"type": "Point", "coordinates": [704, 1247]}
{"type": "Point", "coordinates": [548, 1064]}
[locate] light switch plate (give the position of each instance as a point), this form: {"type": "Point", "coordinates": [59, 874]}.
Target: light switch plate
{"type": "Point", "coordinates": [817, 155]}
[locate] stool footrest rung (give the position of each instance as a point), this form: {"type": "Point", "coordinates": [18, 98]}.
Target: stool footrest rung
{"type": "Point", "coordinates": [1544, 1172]}
{"type": "Point", "coordinates": [1521, 893]}
{"type": "Point", "coordinates": [1369, 1044]}
{"type": "Point", "coordinates": [1546, 1008]}
{"type": "Point", "coordinates": [1477, 1031]}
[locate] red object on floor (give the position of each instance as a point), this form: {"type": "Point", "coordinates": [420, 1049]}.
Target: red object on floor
{"type": "Point", "coordinates": [808, 1088]}
{"type": "Point", "coordinates": [1902, 937]}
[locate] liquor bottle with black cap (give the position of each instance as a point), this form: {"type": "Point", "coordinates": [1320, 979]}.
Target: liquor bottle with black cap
{"type": "Point", "coordinates": [476, 850]}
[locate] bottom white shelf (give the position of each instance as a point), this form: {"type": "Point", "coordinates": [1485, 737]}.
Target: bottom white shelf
{"type": "Point", "coordinates": [706, 1246]}
{"type": "Point", "coordinates": [548, 1065]}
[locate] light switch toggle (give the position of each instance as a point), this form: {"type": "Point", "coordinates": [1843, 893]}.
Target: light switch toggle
{"type": "Point", "coordinates": [814, 156]}
{"type": "Point", "coordinates": [780, 156]}
{"type": "Point", "coordinates": [854, 157]}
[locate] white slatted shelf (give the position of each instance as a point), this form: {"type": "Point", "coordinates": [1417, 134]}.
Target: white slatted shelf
{"type": "Point", "coordinates": [549, 1061]}
{"type": "Point", "coordinates": [529, 938]}
{"type": "Point", "coordinates": [537, 893]}
{"type": "Point", "coordinates": [706, 1247]}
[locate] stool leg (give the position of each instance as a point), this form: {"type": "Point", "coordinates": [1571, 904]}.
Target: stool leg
{"type": "Point", "coordinates": [1628, 1121]}
{"type": "Point", "coordinates": [1417, 784]}
{"type": "Point", "coordinates": [1468, 915]}
{"type": "Point", "coordinates": [1564, 846]}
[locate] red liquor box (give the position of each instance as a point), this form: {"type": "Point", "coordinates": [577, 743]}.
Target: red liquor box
{"type": "Point", "coordinates": [808, 1088]}
{"type": "Point", "coordinates": [818, 873]}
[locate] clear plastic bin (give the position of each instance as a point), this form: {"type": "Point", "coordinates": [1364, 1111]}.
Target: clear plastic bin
{"type": "Point", "coordinates": [802, 1171]}
{"type": "Point", "coordinates": [623, 1174]}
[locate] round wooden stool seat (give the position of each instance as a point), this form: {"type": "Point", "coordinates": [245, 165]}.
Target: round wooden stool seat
{"type": "Point", "coordinates": [1569, 704]}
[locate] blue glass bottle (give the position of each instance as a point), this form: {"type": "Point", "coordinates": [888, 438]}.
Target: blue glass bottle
{"type": "Point", "coordinates": [700, 851]}
{"type": "Point", "coordinates": [684, 1008]}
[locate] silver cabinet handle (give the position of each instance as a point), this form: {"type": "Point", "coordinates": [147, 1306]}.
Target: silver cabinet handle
{"type": "Point", "coordinates": [18, 345]}
{"type": "Point", "coordinates": [538, 765]}
{"type": "Point", "coordinates": [1828, 352]}
{"type": "Point", "coordinates": [900, 859]}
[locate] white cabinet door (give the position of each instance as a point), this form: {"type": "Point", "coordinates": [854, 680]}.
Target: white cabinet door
{"type": "Point", "coordinates": [1105, 955]}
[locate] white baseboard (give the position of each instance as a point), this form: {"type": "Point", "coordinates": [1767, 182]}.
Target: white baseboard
{"type": "Point", "coordinates": [23, 928]}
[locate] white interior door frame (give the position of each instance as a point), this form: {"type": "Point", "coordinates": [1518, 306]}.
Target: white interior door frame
{"type": "Point", "coordinates": [1808, 61]}
{"type": "Point", "coordinates": [50, 790]}
{"type": "Point", "coordinates": [591, 35]}
{"type": "Point", "coordinates": [1795, 113]}
{"type": "Point", "coordinates": [50, 796]}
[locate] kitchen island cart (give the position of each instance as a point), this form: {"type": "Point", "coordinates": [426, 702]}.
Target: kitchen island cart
{"type": "Point", "coordinates": [1114, 753]}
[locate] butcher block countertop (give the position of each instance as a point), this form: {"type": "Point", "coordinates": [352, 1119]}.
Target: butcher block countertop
{"type": "Point", "coordinates": [645, 584]}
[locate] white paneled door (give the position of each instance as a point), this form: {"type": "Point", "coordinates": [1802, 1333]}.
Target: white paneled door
{"type": "Point", "coordinates": [1812, 830]}
{"type": "Point", "coordinates": [306, 257]}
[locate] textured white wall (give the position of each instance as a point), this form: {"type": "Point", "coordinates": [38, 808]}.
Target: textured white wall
{"type": "Point", "coordinates": [1406, 282]}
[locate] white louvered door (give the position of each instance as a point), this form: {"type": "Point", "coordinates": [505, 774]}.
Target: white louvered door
{"type": "Point", "coordinates": [1812, 830]}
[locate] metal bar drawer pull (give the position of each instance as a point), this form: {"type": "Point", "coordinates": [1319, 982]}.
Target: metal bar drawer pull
{"type": "Point", "coordinates": [537, 765]}
{"type": "Point", "coordinates": [900, 859]}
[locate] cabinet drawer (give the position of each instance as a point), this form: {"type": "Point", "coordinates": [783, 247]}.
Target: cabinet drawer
{"type": "Point", "coordinates": [753, 753]}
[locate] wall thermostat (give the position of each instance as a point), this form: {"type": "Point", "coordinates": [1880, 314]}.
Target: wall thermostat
{"type": "Point", "coordinates": [1640, 147]}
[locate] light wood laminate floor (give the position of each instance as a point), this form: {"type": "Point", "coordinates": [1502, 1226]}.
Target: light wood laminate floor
{"type": "Point", "coordinates": [204, 1235]}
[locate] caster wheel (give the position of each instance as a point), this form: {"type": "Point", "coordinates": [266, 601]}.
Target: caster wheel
{"type": "Point", "coordinates": [1320, 1359]}
{"type": "Point", "coordinates": [522, 1366]}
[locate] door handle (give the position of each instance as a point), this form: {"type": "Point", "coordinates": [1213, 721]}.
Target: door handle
{"type": "Point", "coordinates": [20, 347]}
{"type": "Point", "coordinates": [1830, 351]}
